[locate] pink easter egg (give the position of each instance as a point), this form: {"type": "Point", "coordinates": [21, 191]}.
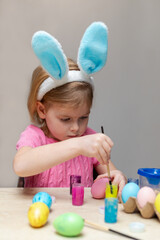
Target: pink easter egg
{"type": "Point", "coordinates": [145, 194]}
{"type": "Point", "coordinates": [98, 188]}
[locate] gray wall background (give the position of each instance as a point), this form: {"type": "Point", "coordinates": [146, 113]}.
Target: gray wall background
{"type": "Point", "coordinates": [126, 91]}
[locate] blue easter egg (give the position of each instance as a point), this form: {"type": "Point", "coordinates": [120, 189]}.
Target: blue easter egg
{"type": "Point", "coordinates": [43, 197]}
{"type": "Point", "coordinates": [130, 190]}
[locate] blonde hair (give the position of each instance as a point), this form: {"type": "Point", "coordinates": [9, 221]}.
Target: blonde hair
{"type": "Point", "coordinates": [73, 94]}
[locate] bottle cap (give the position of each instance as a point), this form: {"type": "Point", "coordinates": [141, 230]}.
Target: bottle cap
{"type": "Point", "coordinates": [136, 227]}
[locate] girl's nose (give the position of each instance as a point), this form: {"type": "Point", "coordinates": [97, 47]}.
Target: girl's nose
{"type": "Point", "coordinates": [75, 127]}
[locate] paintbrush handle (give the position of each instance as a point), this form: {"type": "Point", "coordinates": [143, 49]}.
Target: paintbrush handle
{"type": "Point", "coordinates": [108, 170]}
{"type": "Point", "coordinates": [107, 164]}
{"type": "Point", "coordinates": [102, 228]}
{"type": "Point", "coordinates": [96, 226]}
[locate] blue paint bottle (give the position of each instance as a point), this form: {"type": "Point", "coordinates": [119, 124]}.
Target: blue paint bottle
{"type": "Point", "coordinates": [111, 210]}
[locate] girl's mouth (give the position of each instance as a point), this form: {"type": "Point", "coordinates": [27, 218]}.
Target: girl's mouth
{"type": "Point", "coordinates": [73, 136]}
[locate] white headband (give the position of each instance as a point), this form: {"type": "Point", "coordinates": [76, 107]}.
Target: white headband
{"type": "Point", "coordinates": [51, 83]}
{"type": "Point", "coordinates": [92, 56]}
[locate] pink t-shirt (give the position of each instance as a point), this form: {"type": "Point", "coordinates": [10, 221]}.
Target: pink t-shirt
{"type": "Point", "coordinates": [58, 176]}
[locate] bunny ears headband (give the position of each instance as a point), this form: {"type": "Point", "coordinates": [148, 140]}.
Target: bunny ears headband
{"type": "Point", "coordinates": [92, 56]}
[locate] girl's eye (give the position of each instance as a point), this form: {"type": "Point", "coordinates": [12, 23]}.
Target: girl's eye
{"type": "Point", "coordinates": [65, 119]}
{"type": "Point", "coordinates": [84, 117]}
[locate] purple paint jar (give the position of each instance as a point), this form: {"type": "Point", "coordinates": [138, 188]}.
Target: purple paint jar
{"type": "Point", "coordinates": [74, 179]}
{"type": "Point", "coordinates": [77, 194]}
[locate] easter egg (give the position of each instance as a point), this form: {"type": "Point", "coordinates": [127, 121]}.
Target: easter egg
{"type": "Point", "coordinates": [98, 188]}
{"type": "Point", "coordinates": [145, 194]}
{"type": "Point", "coordinates": [157, 202]}
{"type": "Point", "coordinates": [69, 224]}
{"type": "Point", "coordinates": [130, 190]}
{"type": "Point", "coordinates": [38, 214]}
{"type": "Point", "coordinates": [43, 197]}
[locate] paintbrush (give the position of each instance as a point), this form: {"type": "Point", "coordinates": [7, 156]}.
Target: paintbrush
{"type": "Point", "coordinates": [106, 229]}
{"type": "Point", "coordinates": [108, 170]}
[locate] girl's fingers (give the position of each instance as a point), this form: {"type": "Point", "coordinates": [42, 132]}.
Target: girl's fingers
{"type": "Point", "coordinates": [105, 152]}
{"type": "Point", "coordinates": [121, 181]}
{"type": "Point", "coordinates": [107, 148]}
{"type": "Point", "coordinates": [99, 157]}
{"type": "Point", "coordinates": [104, 156]}
{"type": "Point", "coordinates": [109, 141]}
{"type": "Point", "coordinates": [101, 176]}
{"type": "Point", "coordinates": [121, 185]}
{"type": "Point", "coordinates": [103, 149]}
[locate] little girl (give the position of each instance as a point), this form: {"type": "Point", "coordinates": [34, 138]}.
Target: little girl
{"type": "Point", "coordinates": [59, 143]}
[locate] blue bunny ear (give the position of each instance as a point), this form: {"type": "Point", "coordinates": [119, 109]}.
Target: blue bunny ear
{"type": "Point", "coordinates": [92, 54]}
{"type": "Point", "coordinates": [50, 54]}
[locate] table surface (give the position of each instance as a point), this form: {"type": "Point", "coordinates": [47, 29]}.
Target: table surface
{"type": "Point", "coordinates": [14, 224]}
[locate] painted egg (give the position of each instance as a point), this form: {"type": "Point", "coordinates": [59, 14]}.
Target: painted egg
{"type": "Point", "coordinates": [157, 202]}
{"type": "Point", "coordinates": [69, 224]}
{"type": "Point", "coordinates": [43, 197]}
{"type": "Point", "coordinates": [145, 194]}
{"type": "Point", "coordinates": [130, 190]}
{"type": "Point", "coordinates": [38, 214]}
{"type": "Point", "coordinates": [98, 188]}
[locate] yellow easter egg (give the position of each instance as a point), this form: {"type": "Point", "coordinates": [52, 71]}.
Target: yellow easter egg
{"type": "Point", "coordinates": [157, 202]}
{"type": "Point", "coordinates": [38, 214]}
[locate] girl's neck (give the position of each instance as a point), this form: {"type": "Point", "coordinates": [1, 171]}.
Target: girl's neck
{"type": "Point", "coordinates": [44, 128]}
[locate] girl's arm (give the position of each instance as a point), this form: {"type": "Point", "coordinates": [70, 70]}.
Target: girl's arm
{"type": "Point", "coordinates": [30, 161]}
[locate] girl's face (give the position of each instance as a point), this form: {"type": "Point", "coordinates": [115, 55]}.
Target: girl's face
{"type": "Point", "coordinates": [64, 121]}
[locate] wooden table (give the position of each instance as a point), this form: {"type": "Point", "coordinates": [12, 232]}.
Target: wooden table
{"type": "Point", "coordinates": [14, 225]}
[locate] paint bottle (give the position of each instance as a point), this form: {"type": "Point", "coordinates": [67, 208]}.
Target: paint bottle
{"type": "Point", "coordinates": [111, 191]}
{"type": "Point", "coordinates": [74, 179]}
{"type": "Point", "coordinates": [77, 194]}
{"type": "Point", "coordinates": [111, 210]}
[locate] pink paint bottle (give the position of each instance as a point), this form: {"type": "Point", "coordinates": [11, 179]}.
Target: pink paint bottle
{"type": "Point", "coordinates": [77, 194]}
{"type": "Point", "coordinates": [74, 179]}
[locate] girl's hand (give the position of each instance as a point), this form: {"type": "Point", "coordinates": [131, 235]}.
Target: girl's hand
{"type": "Point", "coordinates": [97, 145]}
{"type": "Point", "coordinates": [117, 177]}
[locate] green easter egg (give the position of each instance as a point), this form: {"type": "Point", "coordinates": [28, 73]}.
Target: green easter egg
{"type": "Point", "coordinates": [68, 224]}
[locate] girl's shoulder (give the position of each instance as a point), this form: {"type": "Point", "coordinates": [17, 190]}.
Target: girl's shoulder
{"type": "Point", "coordinates": [32, 136]}
{"type": "Point", "coordinates": [33, 129]}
